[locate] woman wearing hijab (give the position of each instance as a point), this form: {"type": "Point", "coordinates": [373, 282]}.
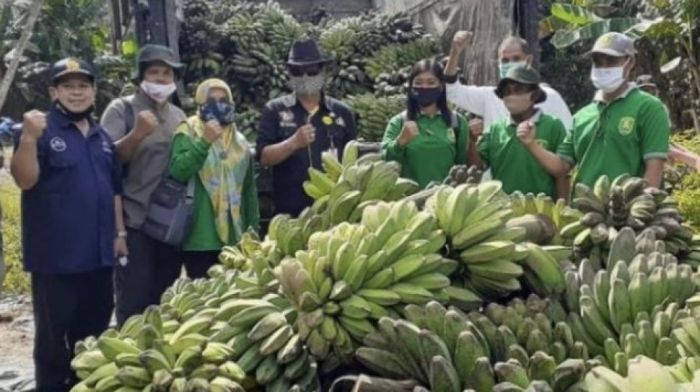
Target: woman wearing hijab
{"type": "Point", "coordinates": [208, 150]}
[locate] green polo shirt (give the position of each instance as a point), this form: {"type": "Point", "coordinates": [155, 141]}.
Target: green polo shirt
{"type": "Point", "coordinates": [431, 154]}
{"type": "Point", "coordinates": [512, 163]}
{"type": "Point", "coordinates": [617, 137]}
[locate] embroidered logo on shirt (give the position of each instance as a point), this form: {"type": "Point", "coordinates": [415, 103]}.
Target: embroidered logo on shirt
{"type": "Point", "coordinates": [286, 116]}
{"type": "Point", "coordinates": [57, 144]}
{"type": "Point", "coordinates": [626, 126]}
{"type": "Point", "coordinates": [451, 135]}
{"type": "Point", "coordinates": [327, 120]}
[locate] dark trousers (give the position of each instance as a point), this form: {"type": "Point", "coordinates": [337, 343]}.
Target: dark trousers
{"type": "Point", "coordinates": [153, 267]}
{"type": "Point", "coordinates": [197, 263]}
{"type": "Point", "coordinates": [67, 308]}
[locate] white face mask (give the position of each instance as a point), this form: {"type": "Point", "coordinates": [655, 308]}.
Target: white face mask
{"type": "Point", "coordinates": [158, 92]}
{"type": "Point", "coordinates": [608, 79]}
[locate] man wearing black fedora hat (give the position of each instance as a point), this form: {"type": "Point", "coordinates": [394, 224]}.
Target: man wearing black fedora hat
{"type": "Point", "coordinates": [297, 128]}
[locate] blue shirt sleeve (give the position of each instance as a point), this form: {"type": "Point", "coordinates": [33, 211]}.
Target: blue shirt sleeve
{"type": "Point", "coordinates": [267, 130]}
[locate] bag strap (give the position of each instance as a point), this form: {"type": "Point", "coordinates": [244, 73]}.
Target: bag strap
{"type": "Point", "coordinates": [129, 118]}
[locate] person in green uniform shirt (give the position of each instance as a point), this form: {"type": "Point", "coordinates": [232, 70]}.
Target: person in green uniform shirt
{"type": "Point", "coordinates": [623, 131]}
{"type": "Point", "coordinates": [208, 150]}
{"type": "Point", "coordinates": [428, 138]}
{"type": "Point", "coordinates": [502, 147]}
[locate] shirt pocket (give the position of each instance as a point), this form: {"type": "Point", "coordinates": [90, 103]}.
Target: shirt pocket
{"type": "Point", "coordinates": [62, 174]}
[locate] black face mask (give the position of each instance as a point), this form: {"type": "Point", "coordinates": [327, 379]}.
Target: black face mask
{"type": "Point", "coordinates": [75, 116]}
{"type": "Point", "coordinates": [426, 96]}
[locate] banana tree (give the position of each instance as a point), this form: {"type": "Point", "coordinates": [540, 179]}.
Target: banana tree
{"type": "Point", "coordinates": [677, 24]}
{"type": "Point", "coordinates": [583, 20]}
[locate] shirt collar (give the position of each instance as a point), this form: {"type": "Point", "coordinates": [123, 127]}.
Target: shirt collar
{"type": "Point", "coordinates": [63, 122]}
{"type": "Point", "coordinates": [535, 118]}
{"type": "Point", "coordinates": [290, 100]}
{"type": "Point", "coordinates": [599, 94]}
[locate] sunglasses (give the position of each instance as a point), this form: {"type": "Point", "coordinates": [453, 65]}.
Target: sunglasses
{"type": "Point", "coordinates": [310, 70]}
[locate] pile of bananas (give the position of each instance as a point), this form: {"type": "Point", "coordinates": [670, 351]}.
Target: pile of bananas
{"type": "Point", "coordinates": [354, 274]}
{"type": "Point", "coordinates": [693, 256]}
{"type": "Point", "coordinates": [461, 174]}
{"type": "Point", "coordinates": [444, 351]}
{"type": "Point", "coordinates": [645, 374]}
{"type": "Point", "coordinates": [373, 113]}
{"type": "Point", "coordinates": [626, 202]}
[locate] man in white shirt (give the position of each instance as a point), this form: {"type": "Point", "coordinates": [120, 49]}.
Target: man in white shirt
{"type": "Point", "coordinates": [482, 100]}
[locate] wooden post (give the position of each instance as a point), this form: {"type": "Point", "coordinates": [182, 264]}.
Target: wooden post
{"type": "Point", "coordinates": [34, 12]}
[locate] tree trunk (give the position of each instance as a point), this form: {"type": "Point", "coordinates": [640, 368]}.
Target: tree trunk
{"type": "Point", "coordinates": [34, 12]}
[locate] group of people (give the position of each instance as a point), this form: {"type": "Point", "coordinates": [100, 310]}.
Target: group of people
{"type": "Point", "coordinates": [87, 185]}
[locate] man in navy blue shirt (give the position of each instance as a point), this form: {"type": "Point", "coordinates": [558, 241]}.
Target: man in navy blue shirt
{"type": "Point", "coordinates": [297, 128]}
{"type": "Point", "coordinates": [72, 225]}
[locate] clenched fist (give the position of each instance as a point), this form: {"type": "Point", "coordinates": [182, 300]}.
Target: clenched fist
{"type": "Point", "coordinates": [212, 131]}
{"type": "Point", "coordinates": [304, 136]}
{"type": "Point", "coordinates": [476, 128]}
{"type": "Point", "coordinates": [146, 123]}
{"type": "Point", "coordinates": [408, 133]}
{"type": "Point", "coordinates": [526, 132]}
{"type": "Point", "coordinates": [461, 40]}
{"type": "Point", "coordinates": [33, 124]}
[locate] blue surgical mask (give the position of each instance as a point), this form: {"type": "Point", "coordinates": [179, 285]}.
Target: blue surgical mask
{"type": "Point", "coordinates": [504, 68]}
{"type": "Point", "coordinates": [222, 111]}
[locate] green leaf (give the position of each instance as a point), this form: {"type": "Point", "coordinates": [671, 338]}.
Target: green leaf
{"type": "Point", "coordinates": [657, 28]}
{"type": "Point", "coordinates": [129, 47]}
{"type": "Point", "coordinates": [563, 39]}
{"type": "Point", "coordinates": [552, 24]}
{"type": "Point", "coordinates": [577, 16]}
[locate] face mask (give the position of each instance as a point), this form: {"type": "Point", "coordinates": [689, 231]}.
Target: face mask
{"type": "Point", "coordinates": [426, 96]}
{"type": "Point", "coordinates": [158, 92]}
{"type": "Point", "coordinates": [504, 68]}
{"type": "Point", "coordinates": [75, 116]}
{"type": "Point", "coordinates": [221, 111]}
{"type": "Point", "coordinates": [307, 84]}
{"type": "Point", "coordinates": [608, 79]}
{"type": "Point", "coordinates": [518, 103]}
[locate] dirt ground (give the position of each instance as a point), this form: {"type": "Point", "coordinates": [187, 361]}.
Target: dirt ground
{"type": "Point", "coordinates": [16, 344]}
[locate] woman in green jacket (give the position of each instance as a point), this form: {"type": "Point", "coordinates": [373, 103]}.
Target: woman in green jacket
{"type": "Point", "coordinates": [428, 138]}
{"type": "Point", "coordinates": [208, 150]}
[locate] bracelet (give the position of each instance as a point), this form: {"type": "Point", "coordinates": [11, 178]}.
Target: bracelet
{"type": "Point", "coordinates": [121, 234]}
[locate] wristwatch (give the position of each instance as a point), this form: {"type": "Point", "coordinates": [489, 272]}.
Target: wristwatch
{"type": "Point", "coordinates": [121, 234]}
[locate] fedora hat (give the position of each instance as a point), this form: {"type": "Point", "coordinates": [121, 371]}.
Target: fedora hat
{"type": "Point", "coordinates": [306, 52]}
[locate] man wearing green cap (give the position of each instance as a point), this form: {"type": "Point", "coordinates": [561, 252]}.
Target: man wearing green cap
{"type": "Point", "coordinates": [504, 146]}
{"type": "Point", "coordinates": [623, 131]}
{"type": "Point", "coordinates": [142, 126]}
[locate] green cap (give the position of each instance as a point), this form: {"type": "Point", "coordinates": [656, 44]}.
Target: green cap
{"type": "Point", "coordinates": [151, 53]}
{"type": "Point", "coordinates": [614, 44]}
{"type": "Point", "coordinates": [523, 74]}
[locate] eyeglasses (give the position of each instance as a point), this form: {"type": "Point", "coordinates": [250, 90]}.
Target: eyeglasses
{"type": "Point", "coordinates": [310, 70]}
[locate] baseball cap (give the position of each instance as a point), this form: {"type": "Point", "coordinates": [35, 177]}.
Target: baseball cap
{"type": "Point", "coordinates": [71, 66]}
{"type": "Point", "coordinates": [614, 44]}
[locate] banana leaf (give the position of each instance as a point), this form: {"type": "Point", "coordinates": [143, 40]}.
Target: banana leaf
{"type": "Point", "coordinates": [574, 15]}
{"type": "Point", "coordinates": [563, 39]}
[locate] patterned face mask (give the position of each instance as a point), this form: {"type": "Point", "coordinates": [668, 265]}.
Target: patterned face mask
{"type": "Point", "coordinates": [307, 84]}
{"type": "Point", "coordinates": [222, 111]}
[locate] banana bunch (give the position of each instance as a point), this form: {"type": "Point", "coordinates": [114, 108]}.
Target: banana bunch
{"type": "Point", "coordinates": [461, 174]}
{"type": "Point", "coordinates": [626, 202]}
{"type": "Point", "coordinates": [474, 217]}
{"type": "Point", "coordinates": [557, 212]}
{"type": "Point", "coordinates": [449, 353]}
{"type": "Point", "coordinates": [693, 255]}
{"type": "Point", "coordinates": [393, 58]}
{"type": "Point", "coordinates": [356, 273]}
{"type": "Point", "coordinates": [374, 112]}
{"type": "Point", "coordinates": [622, 313]}
{"type": "Point", "coordinates": [149, 354]}
{"type": "Point", "coordinates": [392, 82]}
{"type": "Point", "coordinates": [645, 374]}
{"type": "Point", "coordinates": [247, 121]}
